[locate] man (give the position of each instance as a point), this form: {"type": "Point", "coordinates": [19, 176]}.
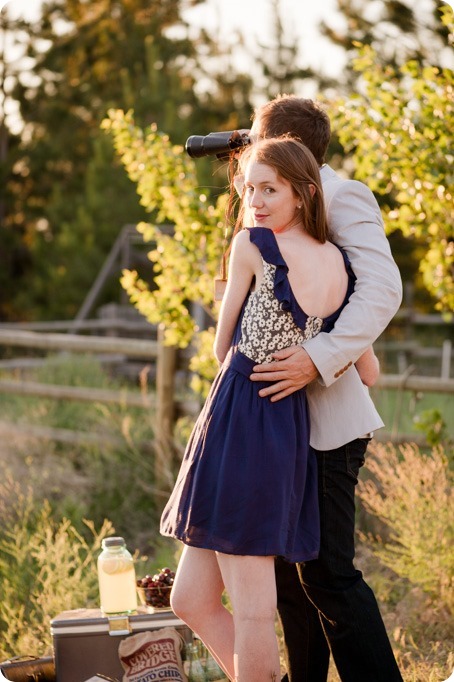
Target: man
{"type": "Point", "coordinates": [325, 605]}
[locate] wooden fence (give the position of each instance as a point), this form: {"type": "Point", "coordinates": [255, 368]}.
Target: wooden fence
{"type": "Point", "coordinates": [164, 403]}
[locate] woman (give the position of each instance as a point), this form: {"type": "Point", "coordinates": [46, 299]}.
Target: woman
{"type": "Point", "coordinates": [247, 488]}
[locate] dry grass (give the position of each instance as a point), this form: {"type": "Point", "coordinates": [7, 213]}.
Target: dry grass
{"type": "Point", "coordinates": [46, 566]}
{"type": "Point", "coordinates": [406, 553]}
{"type": "Point", "coordinates": [409, 493]}
{"type": "Point", "coordinates": [41, 464]}
{"type": "Point", "coordinates": [404, 548]}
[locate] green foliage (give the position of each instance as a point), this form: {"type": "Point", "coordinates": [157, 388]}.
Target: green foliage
{"type": "Point", "coordinates": [70, 198]}
{"type": "Point", "coordinates": [46, 567]}
{"type": "Point", "coordinates": [402, 411]}
{"type": "Point", "coordinates": [185, 254]}
{"type": "Point", "coordinates": [432, 424]}
{"type": "Point", "coordinates": [71, 370]}
{"type": "Point", "coordinates": [203, 363]}
{"type": "Point", "coordinates": [14, 259]}
{"type": "Point", "coordinates": [398, 132]}
{"type": "Point", "coordinates": [411, 494]}
{"type": "Point", "coordinates": [397, 31]}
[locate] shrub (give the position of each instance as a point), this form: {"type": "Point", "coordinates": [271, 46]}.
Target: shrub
{"type": "Point", "coordinates": [432, 424]}
{"type": "Point", "coordinates": [410, 493]}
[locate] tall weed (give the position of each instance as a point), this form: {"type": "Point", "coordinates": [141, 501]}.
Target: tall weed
{"type": "Point", "coordinates": [46, 566]}
{"type": "Point", "coordinates": [410, 492]}
{"type": "Point", "coordinates": [408, 554]}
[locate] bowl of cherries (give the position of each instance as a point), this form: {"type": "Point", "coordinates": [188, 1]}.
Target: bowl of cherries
{"type": "Point", "coordinates": [154, 590]}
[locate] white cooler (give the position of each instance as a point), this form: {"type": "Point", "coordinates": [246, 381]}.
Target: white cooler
{"type": "Point", "coordinates": [86, 642]}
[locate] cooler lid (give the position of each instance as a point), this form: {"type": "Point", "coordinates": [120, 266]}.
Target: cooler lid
{"type": "Point", "coordinates": [82, 621]}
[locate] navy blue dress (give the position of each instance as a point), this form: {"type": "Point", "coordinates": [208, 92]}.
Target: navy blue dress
{"type": "Point", "coordinates": [248, 480]}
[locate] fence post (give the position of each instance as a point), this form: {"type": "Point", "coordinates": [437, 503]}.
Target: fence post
{"type": "Point", "coordinates": [165, 413]}
{"type": "Point", "coordinates": [446, 359]}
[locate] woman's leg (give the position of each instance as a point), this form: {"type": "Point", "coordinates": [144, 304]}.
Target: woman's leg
{"type": "Point", "coordinates": [251, 585]}
{"type": "Point", "coordinates": [196, 599]}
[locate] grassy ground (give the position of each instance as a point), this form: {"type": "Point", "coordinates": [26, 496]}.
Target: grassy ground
{"type": "Point", "coordinates": [102, 481]}
{"type": "Point", "coordinates": [402, 410]}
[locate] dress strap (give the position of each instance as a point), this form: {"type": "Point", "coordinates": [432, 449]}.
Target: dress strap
{"type": "Point", "coordinates": [265, 241]}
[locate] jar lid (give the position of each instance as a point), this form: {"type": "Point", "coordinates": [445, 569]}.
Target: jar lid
{"type": "Point", "coordinates": [113, 542]}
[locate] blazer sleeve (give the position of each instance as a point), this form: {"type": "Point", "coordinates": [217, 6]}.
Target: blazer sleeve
{"type": "Point", "coordinates": [356, 224]}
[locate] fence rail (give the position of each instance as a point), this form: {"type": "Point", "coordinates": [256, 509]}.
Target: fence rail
{"type": "Point", "coordinates": [403, 316]}
{"type": "Point", "coordinates": [103, 324]}
{"type": "Point", "coordinates": [165, 403]}
{"type": "Point", "coordinates": [69, 436]}
{"type": "Point", "coordinates": [405, 382]}
{"type": "Point", "coordinates": [91, 395]}
{"type": "Point", "coordinates": [132, 348]}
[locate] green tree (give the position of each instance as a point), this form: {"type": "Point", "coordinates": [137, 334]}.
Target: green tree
{"type": "Point", "coordinates": [187, 238]}
{"type": "Point", "coordinates": [280, 60]}
{"type": "Point", "coordinates": [187, 256]}
{"type": "Point", "coordinates": [94, 55]}
{"type": "Point", "coordinates": [14, 259]}
{"type": "Point", "coordinates": [65, 267]}
{"type": "Point", "coordinates": [399, 135]}
{"type": "Point", "coordinates": [398, 30]}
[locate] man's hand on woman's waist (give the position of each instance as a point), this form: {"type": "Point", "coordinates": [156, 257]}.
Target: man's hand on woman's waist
{"type": "Point", "coordinates": [293, 369]}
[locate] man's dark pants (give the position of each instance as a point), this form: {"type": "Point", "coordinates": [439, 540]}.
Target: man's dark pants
{"type": "Point", "coordinates": [325, 605]}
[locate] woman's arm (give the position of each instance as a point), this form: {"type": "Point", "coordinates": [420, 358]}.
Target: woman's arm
{"type": "Point", "coordinates": [368, 367]}
{"type": "Point", "coordinates": [243, 264]}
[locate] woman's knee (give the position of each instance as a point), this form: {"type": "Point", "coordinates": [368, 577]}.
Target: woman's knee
{"type": "Point", "coordinates": [259, 610]}
{"type": "Point", "coordinates": [193, 607]}
{"type": "Point", "coordinates": [251, 584]}
{"type": "Point", "coordinates": [185, 603]}
{"type": "Point", "coordinates": [197, 567]}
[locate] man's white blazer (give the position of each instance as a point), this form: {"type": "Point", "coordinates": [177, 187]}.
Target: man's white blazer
{"type": "Point", "coordinates": [339, 404]}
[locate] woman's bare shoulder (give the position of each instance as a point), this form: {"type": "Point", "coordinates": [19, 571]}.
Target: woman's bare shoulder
{"type": "Point", "coordinates": [242, 241]}
{"type": "Point", "coordinates": [242, 237]}
{"type": "Point", "coordinates": [244, 251]}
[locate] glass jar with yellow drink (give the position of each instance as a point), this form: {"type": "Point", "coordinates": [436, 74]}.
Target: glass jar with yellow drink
{"type": "Point", "coordinates": [117, 578]}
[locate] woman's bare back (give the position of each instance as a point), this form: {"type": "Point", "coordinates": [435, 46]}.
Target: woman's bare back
{"type": "Point", "coordinates": [317, 273]}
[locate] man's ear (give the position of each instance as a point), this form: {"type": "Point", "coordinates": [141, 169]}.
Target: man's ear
{"type": "Point", "coordinates": [312, 190]}
{"type": "Point", "coordinates": [238, 183]}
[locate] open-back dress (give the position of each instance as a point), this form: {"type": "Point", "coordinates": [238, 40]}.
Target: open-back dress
{"type": "Point", "coordinates": [248, 480]}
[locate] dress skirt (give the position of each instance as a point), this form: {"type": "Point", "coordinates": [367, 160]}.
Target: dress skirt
{"type": "Point", "coordinates": [248, 480]}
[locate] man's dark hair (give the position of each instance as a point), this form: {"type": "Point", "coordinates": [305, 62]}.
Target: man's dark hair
{"type": "Point", "coordinates": [296, 117]}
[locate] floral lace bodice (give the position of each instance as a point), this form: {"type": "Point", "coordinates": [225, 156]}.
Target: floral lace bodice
{"type": "Point", "coordinates": [266, 327]}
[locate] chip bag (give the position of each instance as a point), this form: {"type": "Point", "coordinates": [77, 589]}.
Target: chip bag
{"type": "Point", "coordinates": [152, 656]}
